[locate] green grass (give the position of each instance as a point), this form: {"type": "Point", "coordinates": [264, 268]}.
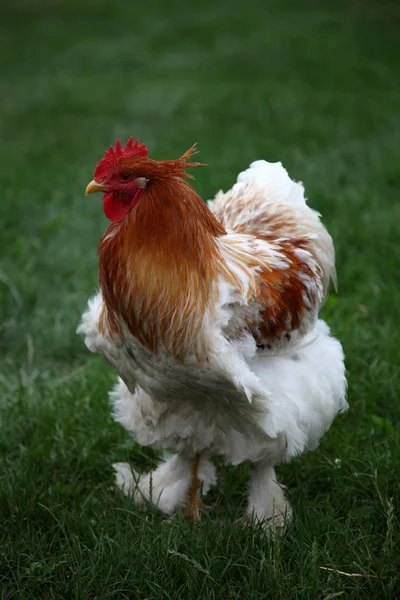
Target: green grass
{"type": "Point", "coordinates": [314, 84]}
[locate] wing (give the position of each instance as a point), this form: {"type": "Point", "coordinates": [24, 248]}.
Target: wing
{"type": "Point", "coordinates": [282, 250]}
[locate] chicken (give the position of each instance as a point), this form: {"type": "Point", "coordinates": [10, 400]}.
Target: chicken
{"type": "Point", "coordinates": [209, 315]}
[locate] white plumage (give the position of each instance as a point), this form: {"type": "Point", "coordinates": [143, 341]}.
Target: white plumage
{"type": "Point", "coordinates": [256, 399]}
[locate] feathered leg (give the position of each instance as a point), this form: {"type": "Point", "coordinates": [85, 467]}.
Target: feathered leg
{"type": "Point", "coordinates": [171, 485]}
{"type": "Point", "coordinates": [267, 502]}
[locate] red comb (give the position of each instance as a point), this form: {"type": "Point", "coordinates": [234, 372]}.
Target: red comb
{"type": "Point", "coordinates": [133, 148]}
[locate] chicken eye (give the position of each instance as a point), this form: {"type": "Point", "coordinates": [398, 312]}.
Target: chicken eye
{"type": "Point", "coordinates": [124, 177]}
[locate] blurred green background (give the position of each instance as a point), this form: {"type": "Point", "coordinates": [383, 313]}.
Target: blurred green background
{"type": "Point", "coordinates": [314, 84]}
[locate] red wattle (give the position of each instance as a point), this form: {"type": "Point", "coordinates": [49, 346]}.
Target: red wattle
{"type": "Point", "coordinates": [116, 208]}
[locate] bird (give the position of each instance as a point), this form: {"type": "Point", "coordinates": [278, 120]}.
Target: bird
{"type": "Point", "coordinates": [209, 314]}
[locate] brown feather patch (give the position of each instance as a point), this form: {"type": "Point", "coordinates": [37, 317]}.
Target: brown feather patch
{"type": "Point", "coordinates": [158, 265]}
{"type": "Point", "coordinates": [288, 295]}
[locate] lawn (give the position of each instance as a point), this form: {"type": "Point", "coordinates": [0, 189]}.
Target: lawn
{"type": "Point", "coordinates": [314, 84]}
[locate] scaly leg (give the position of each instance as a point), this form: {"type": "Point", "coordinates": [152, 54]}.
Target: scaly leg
{"type": "Point", "coordinates": [193, 502]}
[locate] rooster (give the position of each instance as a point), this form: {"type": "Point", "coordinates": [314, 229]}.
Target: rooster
{"type": "Point", "coordinates": [209, 315]}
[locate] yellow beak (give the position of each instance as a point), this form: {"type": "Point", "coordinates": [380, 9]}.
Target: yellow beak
{"type": "Point", "coordinates": [94, 186]}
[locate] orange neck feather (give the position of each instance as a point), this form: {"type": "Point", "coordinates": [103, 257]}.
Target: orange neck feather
{"type": "Point", "coordinates": [157, 268]}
